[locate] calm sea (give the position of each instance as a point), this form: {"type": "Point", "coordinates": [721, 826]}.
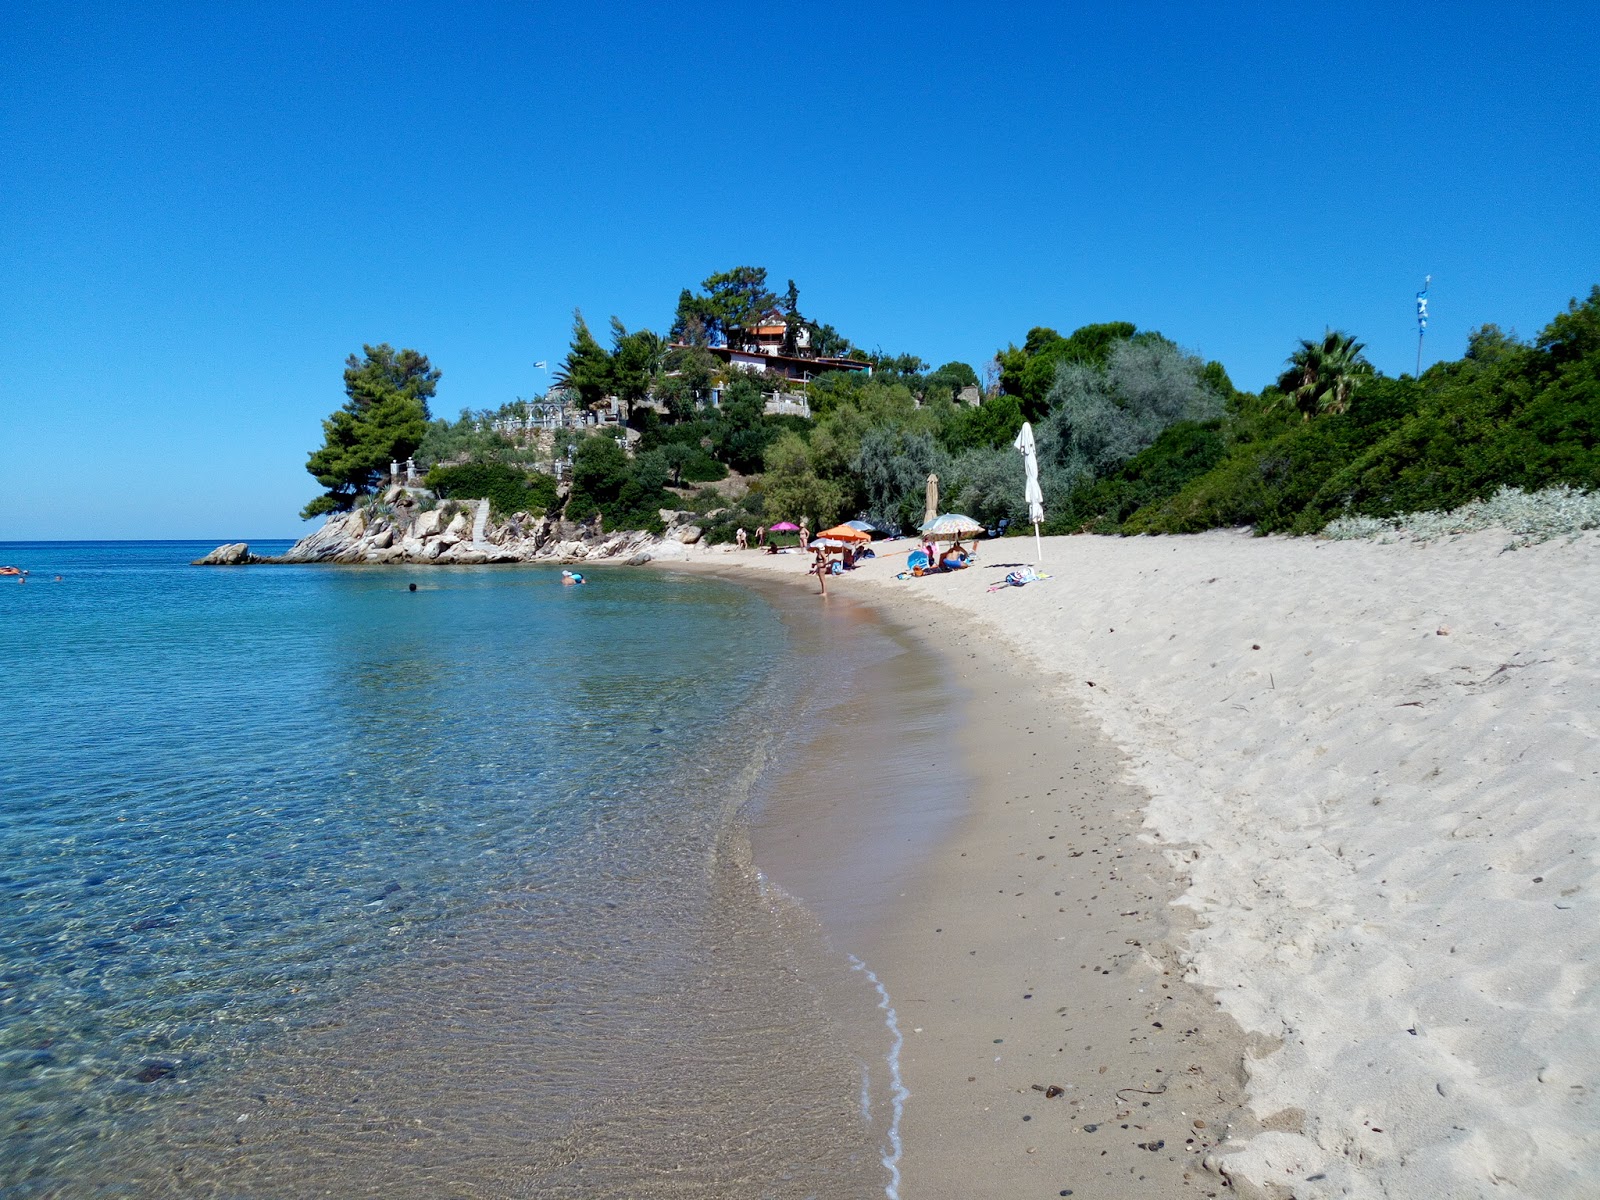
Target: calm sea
{"type": "Point", "coordinates": [314, 885]}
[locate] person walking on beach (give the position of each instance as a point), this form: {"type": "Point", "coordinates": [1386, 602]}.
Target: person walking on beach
{"type": "Point", "coordinates": [805, 535]}
{"type": "Point", "coordinates": [761, 535]}
{"type": "Point", "coordinates": [820, 566]}
{"type": "Point", "coordinates": [741, 539]}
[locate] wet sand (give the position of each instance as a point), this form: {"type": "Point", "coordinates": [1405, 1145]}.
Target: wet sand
{"type": "Point", "coordinates": [1026, 938]}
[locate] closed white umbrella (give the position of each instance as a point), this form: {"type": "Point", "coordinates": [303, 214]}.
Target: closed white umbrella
{"type": "Point", "coordinates": [1031, 492]}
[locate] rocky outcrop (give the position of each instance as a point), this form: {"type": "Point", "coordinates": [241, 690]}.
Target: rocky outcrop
{"type": "Point", "coordinates": [234, 554]}
{"type": "Point", "coordinates": [464, 534]}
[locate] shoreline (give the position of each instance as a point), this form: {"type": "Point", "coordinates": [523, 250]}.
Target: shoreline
{"type": "Point", "coordinates": [1031, 942]}
{"type": "Point", "coordinates": [1372, 768]}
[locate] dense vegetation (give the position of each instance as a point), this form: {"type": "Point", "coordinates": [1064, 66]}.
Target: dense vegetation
{"type": "Point", "coordinates": [507, 489]}
{"type": "Point", "coordinates": [1508, 414]}
{"type": "Point", "coordinates": [1134, 434]}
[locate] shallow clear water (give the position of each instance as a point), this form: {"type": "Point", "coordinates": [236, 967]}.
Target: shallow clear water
{"type": "Point", "coordinates": [309, 883]}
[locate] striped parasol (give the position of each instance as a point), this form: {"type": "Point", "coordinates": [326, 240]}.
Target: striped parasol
{"type": "Point", "coordinates": [951, 527]}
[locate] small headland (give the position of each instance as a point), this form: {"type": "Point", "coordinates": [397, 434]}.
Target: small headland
{"type": "Point", "coordinates": [412, 528]}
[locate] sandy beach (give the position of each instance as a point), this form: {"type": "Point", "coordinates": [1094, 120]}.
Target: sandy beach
{"type": "Point", "coordinates": [1280, 864]}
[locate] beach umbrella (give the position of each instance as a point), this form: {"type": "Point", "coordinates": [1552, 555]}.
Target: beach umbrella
{"type": "Point", "coordinates": [950, 527]}
{"type": "Point", "coordinates": [866, 527]}
{"type": "Point", "coordinates": [845, 533]}
{"type": "Point", "coordinates": [784, 527]}
{"type": "Point", "coordinates": [1031, 491]}
{"type": "Point", "coordinates": [930, 508]}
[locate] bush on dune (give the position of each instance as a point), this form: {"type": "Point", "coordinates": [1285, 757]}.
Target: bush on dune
{"type": "Point", "coordinates": [1507, 415]}
{"type": "Point", "coordinates": [1183, 452]}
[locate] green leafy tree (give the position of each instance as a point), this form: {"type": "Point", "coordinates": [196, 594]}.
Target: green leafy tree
{"type": "Point", "coordinates": [893, 467]}
{"type": "Point", "coordinates": [828, 342]}
{"type": "Point", "coordinates": [587, 368]}
{"type": "Point", "coordinates": [635, 361]}
{"type": "Point", "coordinates": [732, 300]}
{"type": "Point", "coordinates": [1489, 344]}
{"type": "Point", "coordinates": [897, 364]}
{"type": "Point", "coordinates": [677, 456]}
{"type": "Point", "coordinates": [794, 491]}
{"type": "Point", "coordinates": [384, 419]}
{"type": "Point", "coordinates": [738, 297]}
{"type": "Point", "coordinates": [954, 376]}
{"type": "Point", "coordinates": [694, 322]}
{"type": "Point", "coordinates": [742, 432]}
{"type": "Point", "coordinates": [1574, 334]}
{"type": "Point", "coordinates": [792, 321]}
{"type": "Point", "coordinates": [993, 424]}
{"type": "Point", "coordinates": [1102, 416]}
{"type": "Point", "coordinates": [1323, 376]}
{"type": "Point", "coordinates": [599, 469]}
{"type": "Point", "coordinates": [1029, 371]}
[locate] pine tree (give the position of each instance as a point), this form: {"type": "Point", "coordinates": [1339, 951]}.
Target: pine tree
{"type": "Point", "coordinates": [382, 420]}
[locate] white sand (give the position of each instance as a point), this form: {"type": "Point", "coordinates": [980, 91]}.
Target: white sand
{"type": "Point", "coordinates": [1388, 818]}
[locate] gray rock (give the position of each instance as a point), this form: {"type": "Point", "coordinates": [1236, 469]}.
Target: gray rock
{"type": "Point", "coordinates": [688, 535]}
{"type": "Point", "coordinates": [457, 531]}
{"type": "Point", "coordinates": [382, 541]}
{"type": "Point", "coordinates": [639, 559]}
{"type": "Point", "coordinates": [234, 554]}
{"type": "Point", "coordinates": [427, 525]}
{"type": "Point", "coordinates": [339, 533]}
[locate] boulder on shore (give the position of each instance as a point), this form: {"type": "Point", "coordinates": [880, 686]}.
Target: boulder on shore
{"type": "Point", "coordinates": [457, 530]}
{"type": "Point", "coordinates": [427, 525]}
{"type": "Point", "coordinates": [234, 554]}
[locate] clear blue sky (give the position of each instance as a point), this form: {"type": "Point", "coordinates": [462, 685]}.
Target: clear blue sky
{"type": "Point", "coordinates": [205, 208]}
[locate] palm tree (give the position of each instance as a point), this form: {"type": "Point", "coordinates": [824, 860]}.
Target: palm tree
{"type": "Point", "coordinates": [1323, 376]}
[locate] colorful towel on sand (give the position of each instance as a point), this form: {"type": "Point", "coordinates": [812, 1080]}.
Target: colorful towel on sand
{"type": "Point", "coordinates": [1019, 579]}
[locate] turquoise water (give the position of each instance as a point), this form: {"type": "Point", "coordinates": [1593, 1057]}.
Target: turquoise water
{"type": "Point", "coordinates": [314, 883]}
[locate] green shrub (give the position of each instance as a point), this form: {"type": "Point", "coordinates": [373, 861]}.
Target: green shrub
{"type": "Point", "coordinates": [627, 493]}
{"type": "Point", "coordinates": [702, 468]}
{"type": "Point", "coordinates": [1181, 453]}
{"type": "Point", "coordinates": [507, 489]}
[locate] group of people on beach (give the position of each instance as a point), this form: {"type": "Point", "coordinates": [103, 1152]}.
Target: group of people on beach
{"type": "Point", "coordinates": [764, 543]}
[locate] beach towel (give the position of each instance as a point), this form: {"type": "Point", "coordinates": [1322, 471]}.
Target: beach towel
{"type": "Point", "coordinates": [1020, 578]}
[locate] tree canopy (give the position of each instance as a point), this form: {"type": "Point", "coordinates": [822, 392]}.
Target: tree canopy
{"type": "Point", "coordinates": [732, 300]}
{"type": "Point", "coordinates": [383, 419]}
{"type": "Point", "coordinates": [1323, 376]}
{"type": "Point", "coordinates": [587, 367]}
